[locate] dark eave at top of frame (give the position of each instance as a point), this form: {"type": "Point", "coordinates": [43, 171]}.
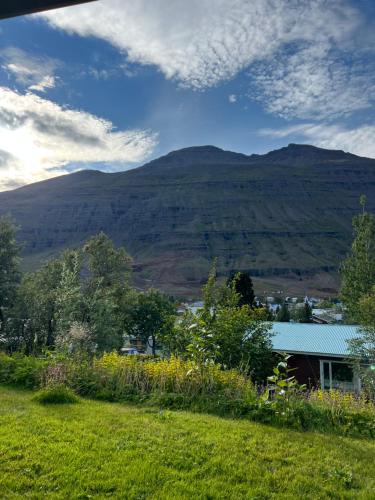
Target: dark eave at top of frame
{"type": "Point", "coordinates": [12, 8]}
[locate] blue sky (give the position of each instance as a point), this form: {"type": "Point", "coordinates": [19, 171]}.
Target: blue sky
{"type": "Point", "coordinates": [114, 83]}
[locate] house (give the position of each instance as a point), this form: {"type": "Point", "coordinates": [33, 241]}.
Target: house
{"type": "Point", "coordinates": [327, 315]}
{"type": "Point", "coordinates": [320, 353]}
{"type": "Point", "coordinates": [319, 320]}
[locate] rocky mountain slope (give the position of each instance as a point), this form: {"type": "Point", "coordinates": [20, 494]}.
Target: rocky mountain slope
{"type": "Point", "coordinates": [285, 216]}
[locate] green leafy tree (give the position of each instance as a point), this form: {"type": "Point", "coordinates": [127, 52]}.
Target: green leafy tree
{"type": "Point", "coordinates": [106, 317]}
{"type": "Point", "coordinates": [358, 270]}
{"type": "Point", "coordinates": [34, 325]}
{"type": "Point", "coordinates": [107, 285]}
{"type": "Point", "coordinates": [283, 314]}
{"type": "Point", "coordinates": [108, 266]}
{"type": "Point", "coordinates": [85, 287]}
{"type": "Point", "coordinates": [151, 318]}
{"type": "Point", "coordinates": [362, 348]}
{"type": "Point", "coordinates": [9, 269]}
{"type": "Point", "coordinates": [70, 303]}
{"type": "Point", "coordinates": [225, 333]}
{"type": "Point", "coordinates": [358, 295]}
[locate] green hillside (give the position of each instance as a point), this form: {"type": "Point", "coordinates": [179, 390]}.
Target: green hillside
{"type": "Point", "coordinates": [284, 216]}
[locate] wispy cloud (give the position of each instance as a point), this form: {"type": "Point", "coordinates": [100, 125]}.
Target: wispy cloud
{"type": "Point", "coordinates": [30, 71]}
{"type": "Point", "coordinates": [232, 98]}
{"type": "Point", "coordinates": [314, 82]}
{"type": "Point", "coordinates": [47, 82]}
{"type": "Point", "coordinates": [357, 140]}
{"type": "Point", "coordinates": [39, 139]}
{"type": "Point", "coordinates": [201, 42]}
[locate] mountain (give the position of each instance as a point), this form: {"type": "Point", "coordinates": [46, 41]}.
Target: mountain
{"type": "Point", "coordinates": [285, 216]}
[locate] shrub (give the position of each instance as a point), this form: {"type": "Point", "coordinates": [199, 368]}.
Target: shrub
{"type": "Point", "coordinates": [353, 414]}
{"type": "Point", "coordinates": [184, 384]}
{"type": "Point", "coordinates": [23, 371]}
{"type": "Point", "coordinates": [56, 395]}
{"type": "Point", "coordinates": [174, 375]}
{"type": "Point", "coordinates": [77, 341]}
{"type": "Point", "coordinates": [287, 404]}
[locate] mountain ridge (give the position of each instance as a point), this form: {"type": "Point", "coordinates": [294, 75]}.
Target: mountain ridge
{"type": "Point", "coordinates": [174, 156]}
{"type": "Point", "coordinates": [285, 216]}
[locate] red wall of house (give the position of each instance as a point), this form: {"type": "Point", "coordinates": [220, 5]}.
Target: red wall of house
{"type": "Point", "coordinates": [308, 368]}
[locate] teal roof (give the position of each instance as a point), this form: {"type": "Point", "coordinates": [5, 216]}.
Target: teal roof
{"type": "Point", "coordinates": [310, 338]}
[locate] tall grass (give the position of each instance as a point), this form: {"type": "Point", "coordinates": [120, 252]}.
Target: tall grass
{"type": "Point", "coordinates": [183, 384]}
{"type": "Point", "coordinates": [174, 382]}
{"type": "Point", "coordinates": [171, 375]}
{"type": "Point", "coordinates": [353, 413]}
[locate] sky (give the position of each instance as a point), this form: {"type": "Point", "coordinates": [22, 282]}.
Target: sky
{"type": "Point", "coordinates": [112, 84]}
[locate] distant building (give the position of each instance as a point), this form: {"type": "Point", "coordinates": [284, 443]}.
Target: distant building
{"type": "Point", "coordinates": [274, 307]}
{"type": "Point", "coordinates": [194, 306]}
{"type": "Point", "coordinates": [190, 306]}
{"type": "Point", "coordinates": [319, 320]}
{"type": "Point", "coordinates": [327, 315]}
{"type": "Point", "coordinates": [319, 353]}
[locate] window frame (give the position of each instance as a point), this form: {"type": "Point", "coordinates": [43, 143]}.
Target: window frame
{"type": "Point", "coordinates": [355, 381]}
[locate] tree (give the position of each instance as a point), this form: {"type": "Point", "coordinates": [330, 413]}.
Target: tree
{"type": "Point", "coordinates": [85, 287]}
{"type": "Point", "coordinates": [151, 316]}
{"type": "Point", "coordinates": [105, 317]}
{"type": "Point", "coordinates": [70, 302]}
{"type": "Point", "coordinates": [9, 269]}
{"type": "Point", "coordinates": [358, 295]}
{"type": "Point", "coordinates": [362, 348]}
{"type": "Point", "coordinates": [244, 287]}
{"type": "Point", "coordinates": [33, 316]}
{"type": "Point", "coordinates": [283, 314]}
{"type": "Point", "coordinates": [226, 333]}
{"type": "Point", "coordinates": [108, 266]}
{"type": "Point", "coordinates": [304, 314]}
{"type": "Point", "coordinates": [76, 342]}
{"type": "Point", "coordinates": [358, 270]}
{"type": "Point", "coordinates": [108, 283]}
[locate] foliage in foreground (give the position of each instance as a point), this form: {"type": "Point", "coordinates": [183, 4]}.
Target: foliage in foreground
{"type": "Point", "coordinates": [97, 450]}
{"type": "Point", "coordinates": [358, 270]}
{"type": "Point", "coordinates": [56, 395]}
{"type": "Point", "coordinates": [87, 288]}
{"type": "Point", "coordinates": [83, 301]}
{"type": "Point", "coordinates": [358, 295]}
{"type": "Point", "coordinates": [225, 331]}
{"type": "Point", "coordinates": [183, 384]}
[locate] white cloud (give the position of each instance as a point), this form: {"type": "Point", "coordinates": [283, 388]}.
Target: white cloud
{"type": "Point", "coordinates": [314, 82]}
{"type": "Point", "coordinates": [30, 71]}
{"type": "Point", "coordinates": [358, 140]}
{"type": "Point", "coordinates": [232, 98]}
{"type": "Point", "coordinates": [202, 42]}
{"type": "Point", "coordinates": [40, 139]}
{"type": "Point", "coordinates": [47, 82]}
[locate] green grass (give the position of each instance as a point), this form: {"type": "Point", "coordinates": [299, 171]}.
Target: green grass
{"type": "Point", "coordinates": [56, 396]}
{"type": "Point", "coordinates": [98, 450]}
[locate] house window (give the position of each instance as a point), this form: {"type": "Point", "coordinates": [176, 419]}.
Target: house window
{"type": "Point", "coordinates": [338, 375]}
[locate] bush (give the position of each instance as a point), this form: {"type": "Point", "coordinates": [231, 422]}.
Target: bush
{"type": "Point", "coordinates": [22, 371]}
{"type": "Point", "coordinates": [56, 395]}
{"type": "Point", "coordinates": [182, 384]}
{"type": "Point", "coordinates": [174, 382]}
{"type": "Point", "coordinates": [353, 414]}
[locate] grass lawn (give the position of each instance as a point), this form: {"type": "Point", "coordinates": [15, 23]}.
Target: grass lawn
{"type": "Point", "coordinates": [98, 450]}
